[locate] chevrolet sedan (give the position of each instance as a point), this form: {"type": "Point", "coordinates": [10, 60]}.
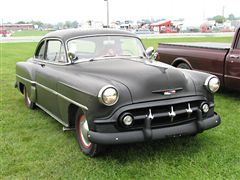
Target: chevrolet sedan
{"type": "Point", "coordinates": [104, 85]}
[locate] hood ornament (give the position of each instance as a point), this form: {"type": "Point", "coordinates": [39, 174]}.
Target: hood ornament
{"type": "Point", "coordinates": [172, 114]}
{"type": "Point", "coordinates": [169, 92]}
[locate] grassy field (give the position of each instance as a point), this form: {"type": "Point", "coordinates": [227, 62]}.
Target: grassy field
{"type": "Point", "coordinates": [33, 145]}
{"type": "Point", "coordinates": [29, 33]}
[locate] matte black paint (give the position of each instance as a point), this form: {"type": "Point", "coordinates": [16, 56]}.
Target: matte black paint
{"type": "Point", "coordinates": [138, 81]}
{"type": "Point", "coordinates": [154, 134]}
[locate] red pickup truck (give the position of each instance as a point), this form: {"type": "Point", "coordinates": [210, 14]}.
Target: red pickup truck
{"type": "Point", "coordinates": [222, 60]}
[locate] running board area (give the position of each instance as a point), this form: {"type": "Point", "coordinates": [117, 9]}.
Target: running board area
{"type": "Point", "coordinates": [68, 129]}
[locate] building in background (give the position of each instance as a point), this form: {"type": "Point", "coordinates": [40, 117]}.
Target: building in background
{"type": "Point", "coordinates": [164, 26]}
{"type": "Point", "coordinates": [16, 27]}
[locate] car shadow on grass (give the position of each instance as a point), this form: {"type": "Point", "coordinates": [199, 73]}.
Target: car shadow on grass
{"type": "Point", "coordinates": [172, 147]}
{"type": "Point", "coordinates": [229, 94]}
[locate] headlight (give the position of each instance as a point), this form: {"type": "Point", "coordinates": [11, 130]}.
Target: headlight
{"type": "Point", "coordinates": [108, 95]}
{"type": "Point", "coordinates": [212, 84]}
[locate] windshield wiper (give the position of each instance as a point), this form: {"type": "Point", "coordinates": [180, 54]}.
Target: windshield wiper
{"type": "Point", "coordinates": [107, 56]}
{"type": "Point", "coordinates": [140, 57]}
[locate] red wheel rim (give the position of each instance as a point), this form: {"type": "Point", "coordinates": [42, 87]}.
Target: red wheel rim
{"type": "Point", "coordinates": [83, 136]}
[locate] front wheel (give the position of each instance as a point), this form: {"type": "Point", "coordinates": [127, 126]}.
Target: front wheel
{"type": "Point", "coordinates": [82, 129]}
{"type": "Point", "coordinates": [183, 66]}
{"type": "Point", "coordinates": [28, 102]}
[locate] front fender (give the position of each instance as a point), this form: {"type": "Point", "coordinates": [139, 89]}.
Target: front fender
{"type": "Point", "coordinates": [199, 79]}
{"type": "Point", "coordinates": [83, 90]}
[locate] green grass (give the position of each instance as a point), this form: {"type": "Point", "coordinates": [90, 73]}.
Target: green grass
{"type": "Point", "coordinates": [29, 33]}
{"type": "Point", "coordinates": [33, 145]}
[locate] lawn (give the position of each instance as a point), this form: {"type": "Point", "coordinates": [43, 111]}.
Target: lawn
{"type": "Point", "coordinates": [29, 33]}
{"type": "Point", "coordinates": [33, 145]}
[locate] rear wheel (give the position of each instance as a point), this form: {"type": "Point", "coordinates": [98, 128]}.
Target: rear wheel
{"type": "Point", "coordinates": [82, 129]}
{"type": "Point", "coordinates": [183, 66]}
{"type": "Point", "coordinates": [28, 102]}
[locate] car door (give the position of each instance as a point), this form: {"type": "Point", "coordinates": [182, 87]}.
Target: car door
{"type": "Point", "coordinates": [232, 69]}
{"type": "Point", "coordinates": [47, 75]}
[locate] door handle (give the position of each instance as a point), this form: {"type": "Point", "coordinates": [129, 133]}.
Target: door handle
{"type": "Point", "coordinates": [234, 56]}
{"type": "Point", "coordinates": [42, 64]}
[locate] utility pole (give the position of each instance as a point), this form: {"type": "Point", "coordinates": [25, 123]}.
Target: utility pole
{"type": "Point", "coordinates": [223, 12]}
{"type": "Point", "coordinates": [107, 13]}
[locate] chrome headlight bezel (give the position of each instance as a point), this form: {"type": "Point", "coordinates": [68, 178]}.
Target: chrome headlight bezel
{"type": "Point", "coordinates": [212, 84]}
{"type": "Point", "coordinates": [104, 90]}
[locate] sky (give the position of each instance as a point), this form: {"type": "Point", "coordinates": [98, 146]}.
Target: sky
{"type": "Point", "coordinates": [53, 11]}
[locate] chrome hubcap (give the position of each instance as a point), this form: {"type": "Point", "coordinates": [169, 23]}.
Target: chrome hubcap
{"type": "Point", "coordinates": [84, 132]}
{"type": "Point", "coordinates": [28, 99]}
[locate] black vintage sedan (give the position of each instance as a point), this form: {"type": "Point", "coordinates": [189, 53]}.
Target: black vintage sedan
{"type": "Point", "coordinates": [103, 84]}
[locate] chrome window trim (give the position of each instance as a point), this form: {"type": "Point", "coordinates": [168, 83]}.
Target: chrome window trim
{"type": "Point", "coordinates": [55, 92]}
{"type": "Point", "coordinates": [54, 63]}
{"type": "Point", "coordinates": [98, 35]}
{"type": "Point", "coordinates": [49, 62]}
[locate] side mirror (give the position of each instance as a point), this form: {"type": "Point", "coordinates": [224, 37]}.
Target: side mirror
{"type": "Point", "coordinates": [149, 52]}
{"type": "Point", "coordinates": [72, 56]}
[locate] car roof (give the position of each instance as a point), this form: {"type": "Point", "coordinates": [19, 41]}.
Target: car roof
{"type": "Point", "coordinates": [71, 33]}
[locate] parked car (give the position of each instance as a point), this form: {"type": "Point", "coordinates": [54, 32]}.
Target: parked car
{"type": "Point", "coordinates": [143, 31]}
{"type": "Point", "coordinates": [222, 60]}
{"type": "Point", "coordinates": [4, 33]}
{"type": "Point", "coordinates": [102, 84]}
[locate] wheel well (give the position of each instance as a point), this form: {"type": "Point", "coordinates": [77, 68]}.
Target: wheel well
{"type": "Point", "coordinates": [21, 87]}
{"type": "Point", "coordinates": [179, 61]}
{"type": "Point", "coordinates": [176, 63]}
{"type": "Point", "coordinates": [72, 111]}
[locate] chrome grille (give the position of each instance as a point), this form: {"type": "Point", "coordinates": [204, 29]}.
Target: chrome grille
{"type": "Point", "coordinates": [166, 115]}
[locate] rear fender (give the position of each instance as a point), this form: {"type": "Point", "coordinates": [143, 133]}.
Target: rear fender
{"type": "Point", "coordinates": [25, 75]}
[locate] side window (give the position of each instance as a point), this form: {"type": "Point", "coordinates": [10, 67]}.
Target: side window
{"type": "Point", "coordinates": [55, 51]}
{"type": "Point", "coordinates": [40, 51]}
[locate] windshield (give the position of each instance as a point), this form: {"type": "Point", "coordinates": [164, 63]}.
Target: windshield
{"type": "Point", "coordinates": [106, 46]}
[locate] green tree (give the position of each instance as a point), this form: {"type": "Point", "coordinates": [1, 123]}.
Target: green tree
{"type": "Point", "coordinates": [75, 24]}
{"type": "Point", "coordinates": [60, 25]}
{"type": "Point", "coordinates": [68, 24]}
{"type": "Point", "coordinates": [231, 17]}
{"type": "Point", "coordinates": [38, 23]}
{"type": "Point", "coordinates": [21, 22]}
{"type": "Point", "coordinates": [219, 19]}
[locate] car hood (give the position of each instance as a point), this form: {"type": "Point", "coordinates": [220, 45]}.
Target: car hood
{"type": "Point", "coordinates": [146, 80]}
